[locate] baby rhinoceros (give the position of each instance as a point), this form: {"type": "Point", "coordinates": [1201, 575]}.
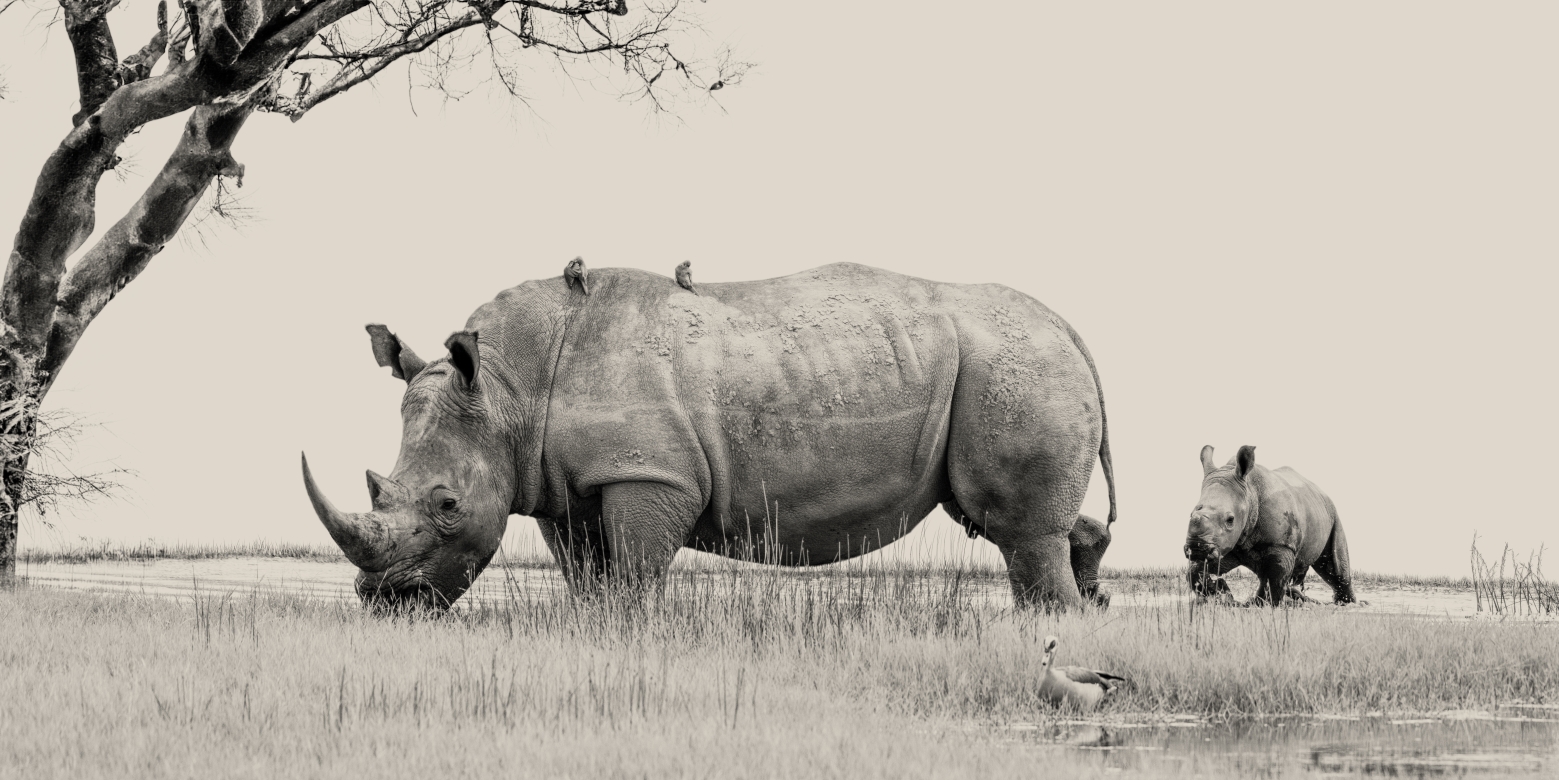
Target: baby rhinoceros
{"type": "Point", "coordinates": [1272, 521]}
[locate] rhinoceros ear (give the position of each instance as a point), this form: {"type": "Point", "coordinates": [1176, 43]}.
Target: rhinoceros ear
{"type": "Point", "coordinates": [1207, 460]}
{"type": "Point", "coordinates": [463, 354]}
{"type": "Point", "coordinates": [389, 351]}
{"type": "Point", "coordinates": [1245, 461]}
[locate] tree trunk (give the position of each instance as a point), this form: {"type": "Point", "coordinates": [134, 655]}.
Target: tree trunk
{"type": "Point", "coordinates": [28, 366]}
{"type": "Point", "coordinates": [15, 474]}
{"type": "Point", "coordinates": [18, 426]}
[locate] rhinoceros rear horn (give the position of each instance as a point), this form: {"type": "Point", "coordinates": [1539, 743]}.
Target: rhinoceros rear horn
{"type": "Point", "coordinates": [389, 351]}
{"type": "Point", "coordinates": [360, 538]}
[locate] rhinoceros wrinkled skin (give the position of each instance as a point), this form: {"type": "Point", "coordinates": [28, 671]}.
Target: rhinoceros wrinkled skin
{"type": "Point", "coordinates": [798, 420]}
{"type": "Point", "coordinates": [1272, 521]}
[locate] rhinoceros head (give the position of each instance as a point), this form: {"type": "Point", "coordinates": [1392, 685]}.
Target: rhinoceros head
{"type": "Point", "coordinates": [1226, 508]}
{"type": "Point", "coordinates": [440, 515]}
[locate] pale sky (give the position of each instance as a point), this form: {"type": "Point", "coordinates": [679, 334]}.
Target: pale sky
{"type": "Point", "coordinates": [1325, 229]}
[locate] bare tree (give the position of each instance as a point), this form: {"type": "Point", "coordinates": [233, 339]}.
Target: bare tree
{"type": "Point", "coordinates": [221, 61]}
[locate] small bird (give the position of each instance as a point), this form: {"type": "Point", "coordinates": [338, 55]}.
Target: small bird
{"type": "Point", "coordinates": [685, 276]}
{"type": "Point", "coordinates": [1074, 685]}
{"type": "Point", "coordinates": [576, 270]}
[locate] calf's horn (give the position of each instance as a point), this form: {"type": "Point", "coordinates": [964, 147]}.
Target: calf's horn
{"type": "Point", "coordinates": [362, 537]}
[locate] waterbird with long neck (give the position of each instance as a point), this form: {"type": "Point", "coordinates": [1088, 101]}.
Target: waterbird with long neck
{"type": "Point", "coordinates": [1074, 686]}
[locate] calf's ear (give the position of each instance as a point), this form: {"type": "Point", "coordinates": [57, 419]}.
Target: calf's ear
{"type": "Point", "coordinates": [1207, 460]}
{"type": "Point", "coordinates": [463, 354]}
{"type": "Point", "coordinates": [1245, 461]}
{"type": "Point", "coordinates": [389, 351]}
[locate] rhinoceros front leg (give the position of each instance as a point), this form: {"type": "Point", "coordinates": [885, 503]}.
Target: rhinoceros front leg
{"type": "Point", "coordinates": [1276, 570]}
{"type": "Point", "coordinates": [1205, 578]}
{"type": "Point", "coordinates": [580, 550]}
{"type": "Point", "coordinates": [645, 524]}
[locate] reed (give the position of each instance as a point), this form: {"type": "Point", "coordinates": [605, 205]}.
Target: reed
{"type": "Point", "coordinates": [1510, 586]}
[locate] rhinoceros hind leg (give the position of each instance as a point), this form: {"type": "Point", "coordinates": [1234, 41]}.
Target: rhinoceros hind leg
{"type": "Point", "coordinates": [1333, 566]}
{"type": "Point", "coordinates": [1040, 572]}
{"type": "Point", "coordinates": [1022, 440]}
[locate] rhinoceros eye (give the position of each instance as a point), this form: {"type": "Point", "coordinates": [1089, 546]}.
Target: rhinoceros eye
{"type": "Point", "coordinates": [445, 499]}
{"type": "Point", "coordinates": [1229, 521]}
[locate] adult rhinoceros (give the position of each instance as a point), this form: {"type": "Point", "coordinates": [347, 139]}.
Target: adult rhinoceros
{"type": "Point", "coordinates": [804, 419]}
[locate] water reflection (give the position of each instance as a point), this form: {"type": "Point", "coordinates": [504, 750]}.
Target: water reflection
{"type": "Point", "coordinates": [1515, 742]}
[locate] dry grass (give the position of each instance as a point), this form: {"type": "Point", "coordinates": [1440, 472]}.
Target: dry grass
{"type": "Point", "coordinates": [731, 672]}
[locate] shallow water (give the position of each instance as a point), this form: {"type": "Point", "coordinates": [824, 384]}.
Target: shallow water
{"type": "Point", "coordinates": [1514, 742]}
{"type": "Point", "coordinates": [176, 578]}
{"type": "Point", "coordinates": [1418, 600]}
{"type": "Point", "coordinates": [333, 580]}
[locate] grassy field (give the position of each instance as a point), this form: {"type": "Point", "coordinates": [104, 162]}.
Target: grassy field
{"type": "Point", "coordinates": [731, 672]}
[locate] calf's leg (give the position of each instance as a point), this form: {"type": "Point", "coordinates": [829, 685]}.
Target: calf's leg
{"type": "Point", "coordinates": [1333, 566]}
{"type": "Point", "coordinates": [1205, 578]}
{"type": "Point", "coordinates": [1276, 570]}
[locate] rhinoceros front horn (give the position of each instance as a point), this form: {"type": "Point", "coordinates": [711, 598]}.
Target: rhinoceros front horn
{"type": "Point", "coordinates": [361, 536]}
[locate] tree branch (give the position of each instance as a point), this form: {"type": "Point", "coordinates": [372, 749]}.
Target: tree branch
{"type": "Point", "coordinates": [138, 66]}
{"type": "Point", "coordinates": [280, 46]}
{"type": "Point", "coordinates": [203, 152]}
{"type": "Point", "coordinates": [363, 68]}
{"type": "Point", "coordinates": [97, 64]}
{"type": "Point", "coordinates": [270, 38]}
{"type": "Point", "coordinates": [59, 218]}
{"type": "Point", "coordinates": [200, 81]}
{"type": "Point", "coordinates": [179, 38]}
{"type": "Point", "coordinates": [62, 211]}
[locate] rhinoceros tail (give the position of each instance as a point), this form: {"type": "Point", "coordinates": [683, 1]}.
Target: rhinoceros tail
{"type": "Point", "coordinates": [1104, 424]}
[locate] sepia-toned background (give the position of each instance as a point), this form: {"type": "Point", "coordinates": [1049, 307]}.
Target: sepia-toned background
{"type": "Point", "coordinates": [1328, 231]}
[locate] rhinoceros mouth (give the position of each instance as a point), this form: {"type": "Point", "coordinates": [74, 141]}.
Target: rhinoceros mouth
{"type": "Point", "coordinates": [378, 590]}
{"type": "Point", "coordinates": [1201, 552]}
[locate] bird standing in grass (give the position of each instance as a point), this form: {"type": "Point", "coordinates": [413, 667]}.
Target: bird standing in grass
{"type": "Point", "coordinates": [576, 270]}
{"type": "Point", "coordinates": [685, 276]}
{"type": "Point", "coordinates": [1082, 688]}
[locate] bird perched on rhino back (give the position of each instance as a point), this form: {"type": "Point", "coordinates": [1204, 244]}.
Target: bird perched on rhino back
{"type": "Point", "coordinates": [575, 270]}
{"type": "Point", "coordinates": [1074, 686]}
{"type": "Point", "coordinates": [685, 276]}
